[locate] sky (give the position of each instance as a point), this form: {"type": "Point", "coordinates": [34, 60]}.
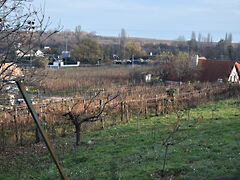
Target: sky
{"type": "Point", "coordinates": [160, 19]}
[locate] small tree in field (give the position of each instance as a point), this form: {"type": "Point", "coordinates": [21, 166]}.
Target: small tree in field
{"type": "Point", "coordinates": [78, 118]}
{"type": "Point", "coordinates": [178, 133]}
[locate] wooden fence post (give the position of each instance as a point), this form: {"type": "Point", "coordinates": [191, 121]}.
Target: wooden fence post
{"type": "Point", "coordinates": [15, 122]}
{"type": "Point", "coordinates": [137, 120]}
{"type": "Point", "coordinates": [126, 112]}
{"type": "Point", "coordinates": [3, 136]}
{"type": "Point", "coordinates": [122, 111]}
{"type": "Point", "coordinates": [53, 131]}
{"type": "Point", "coordinates": [5, 119]}
{"type": "Point", "coordinates": [62, 105]}
{"type": "Point", "coordinates": [102, 117]}
{"type": "Point", "coordinates": [41, 112]}
{"type": "Point", "coordinates": [3, 130]}
{"type": "Point", "coordinates": [21, 133]}
{"type": "Point", "coordinates": [146, 110]}
{"type": "Point", "coordinates": [28, 116]}
{"type": "Point", "coordinates": [163, 105]}
{"type": "Point", "coordinates": [37, 137]}
{"type": "Point", "coordinates": [156, 105]}
{"type": "Point", "coordinates": [188, 114]}
{"type": "Point", "coordinates": [213, 114]}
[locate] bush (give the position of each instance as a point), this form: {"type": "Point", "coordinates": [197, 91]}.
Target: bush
{"type": "Point", "coordinates": [136, 76]}
{"type": "Point", "coordinates": [40, 62]}
{"type": "Point", "coordinates": [156, 80]}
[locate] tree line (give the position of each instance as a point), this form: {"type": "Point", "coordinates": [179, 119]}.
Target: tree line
{"type": "Point", "coordinates": [89, 47]}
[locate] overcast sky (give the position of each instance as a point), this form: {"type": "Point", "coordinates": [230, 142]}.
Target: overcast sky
{"type": "Point", "coordinates": [161, 19]}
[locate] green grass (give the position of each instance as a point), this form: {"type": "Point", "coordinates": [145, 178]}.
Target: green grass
{"type": "Point", "coordinates": [125, 152]}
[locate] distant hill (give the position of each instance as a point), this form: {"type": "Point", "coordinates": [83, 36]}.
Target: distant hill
{"type": "Point", "coordinates": [59, 39]}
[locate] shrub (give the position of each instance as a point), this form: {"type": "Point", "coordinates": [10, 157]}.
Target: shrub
{"type": "Point", "coordinates": [40, 62]}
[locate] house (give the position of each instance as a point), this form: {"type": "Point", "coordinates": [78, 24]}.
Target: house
{"type": "Point", "coordinates": [146, 77]}
{"type": "Point", "coordinates": [65, 54]}
{"type": "Point", "coordinates": [19, 53]}
{"type": "Point", "coordinates": [38, 53]}
{"type": "Point", "coordinates": [31, 53]}
{"type": "Point", "coordinates": [60, 64]}
{"type": "Point", "coordinates": [9, 72]}
{"type": "Point", "coordinates": [205, 70]}
{"type": "Point", "coordinates": [235, 74]}
{"type": "Point", "coordinates": [217, 70]}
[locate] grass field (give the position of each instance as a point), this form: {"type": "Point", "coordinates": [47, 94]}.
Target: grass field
{"type": "Point", "coordinates": [211, 150]}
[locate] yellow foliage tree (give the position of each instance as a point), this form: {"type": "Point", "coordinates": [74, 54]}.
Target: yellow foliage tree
{"type": "Point", "coordinates": [134, 48]}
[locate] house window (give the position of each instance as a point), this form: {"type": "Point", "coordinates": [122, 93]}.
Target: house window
{"type": "Point", "coordinates": [219, 80]}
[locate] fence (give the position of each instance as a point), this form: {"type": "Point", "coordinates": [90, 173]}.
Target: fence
{"type": "Point", "coordinates": [18, 128]}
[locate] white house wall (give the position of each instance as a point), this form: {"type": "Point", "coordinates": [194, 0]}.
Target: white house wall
{"type": "Point", "coordinates": [234, 77]}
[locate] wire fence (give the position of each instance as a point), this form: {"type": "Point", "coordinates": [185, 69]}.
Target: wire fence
{"type": "Point", "coordinates": [18, 128]}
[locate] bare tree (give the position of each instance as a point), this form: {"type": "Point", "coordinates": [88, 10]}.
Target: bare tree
{"type": "Point", "coordinates": [209, 37]}
{"type": "Point", "coordinates": [123, 41]}
{"type": "Point", "coordinates": [78, 118]}
{"type": "Point", "coordinates": [179, 131]}
{"type": "Point", "coordinates": [193, 36]}
{"type": "Point", "coordinates": [199, 37]}
{"type": "Point", "coordinates": [78, 34]}
{"type": "Point", "coordinates": [22, 27]}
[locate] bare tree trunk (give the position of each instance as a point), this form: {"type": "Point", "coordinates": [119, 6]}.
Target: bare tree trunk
{"type": "Point", "coordinates": [137, 120]}
{"type": "Point", "coordinates": [78, 128]}
{"type": "Point", "coordinates": [103, 122]}
{"type": "Point", "coordinates": [163, 106]}
{"type": "Point", "coordinates": [21, 134]}
{"type": "Point", "coordinates": [146, 111]}
{"type": "Point", "coordinates": [165, 160]}
{"type": "Point", "coordinates": [16, 125]}
{"type": "Point", "coordinates": [3, 137]}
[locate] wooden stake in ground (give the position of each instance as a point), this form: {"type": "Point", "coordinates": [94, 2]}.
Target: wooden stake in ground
{"type": "Point", "coordinates": [126, 111]}
{"type": "Point", "coordinates": [122, 111]}
{"type": "Point", "coordinates": [15, 122]}
{"type": "Point", "coordinates": [45, 138]}
{"type": "Point", "coordinates": [156, 105]}
{"type": "Point", "coordinates": [3, 130]}
{"type": "Point", "coordinates": [3, 136]}
{"type": "Point", "coordinates": [146, 110]}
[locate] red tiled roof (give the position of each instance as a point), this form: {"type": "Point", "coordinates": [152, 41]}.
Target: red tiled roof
{"type": "Point", "coordinates": [212, 70]}
{"type": "Point", "coordinates": [202, 58]}
{"type": "Point", "coordinates": [209, 71]}
{"type": "Point", "coordinates": [238, 67]}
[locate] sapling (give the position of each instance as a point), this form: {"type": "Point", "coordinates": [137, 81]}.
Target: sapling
{"type": "Point", "coordinates": [236, 104]}
{"type": "Point", "coordinates": [213, 110]}
{"type": "Point", "coordinates": [177, 135]}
